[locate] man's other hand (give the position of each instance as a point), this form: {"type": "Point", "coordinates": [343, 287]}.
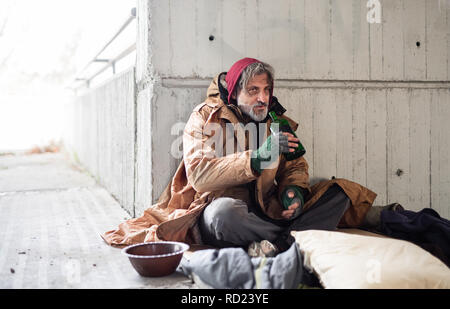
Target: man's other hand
{"type": "Point", "coordinates": [287, 214]}
{"type": "Point", "coordinates": [292, 141]}
{"type": "Point", "coordinates": [292, 200]}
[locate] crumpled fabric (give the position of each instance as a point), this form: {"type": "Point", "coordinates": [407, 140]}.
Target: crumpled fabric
{"type": "Point", "coordinates": [233, 268]}
{"type": "Point", "coordinates": [425, 228]}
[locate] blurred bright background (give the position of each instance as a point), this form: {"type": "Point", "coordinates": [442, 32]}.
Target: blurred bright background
{"type": "Point", "coordinates": [44, 45]}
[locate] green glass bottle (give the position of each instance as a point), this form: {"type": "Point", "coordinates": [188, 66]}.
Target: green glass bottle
{"type": "Point", "coordinates": [285, 127]}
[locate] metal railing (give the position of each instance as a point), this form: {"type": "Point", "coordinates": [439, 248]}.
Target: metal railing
{"type": "Point", "coordinates": [108, 62]}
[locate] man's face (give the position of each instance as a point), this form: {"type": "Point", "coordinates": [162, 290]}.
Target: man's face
{"type": "Point", "coordinates": [254, 99]}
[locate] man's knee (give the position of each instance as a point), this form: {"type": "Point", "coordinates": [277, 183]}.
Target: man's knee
{"type": "Point", "coordinates": [218, 221]}
{"type": "Point", "coordinates": [223, 210]}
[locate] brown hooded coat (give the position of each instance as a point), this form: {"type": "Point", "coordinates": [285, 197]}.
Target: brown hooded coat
{"type": "Point", "coordinates": [202, 177]}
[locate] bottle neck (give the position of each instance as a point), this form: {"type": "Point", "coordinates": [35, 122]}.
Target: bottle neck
{"type": "Point", "coordinates": [273, 116]}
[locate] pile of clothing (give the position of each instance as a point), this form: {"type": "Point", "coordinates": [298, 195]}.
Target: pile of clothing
{"type": "Point", "coordinates": [233, 268]}
{"type": "Point", "coordinates": [424, 228]}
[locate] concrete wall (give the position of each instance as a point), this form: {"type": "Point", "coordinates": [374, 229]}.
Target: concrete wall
{"type": "Point", "coordinates": [103, 138]}
{"type": "Point", "coordinates": [372, 99]}
{"type": "Point", "coordinates": [302, 39]}
{"type": "Point", "coordinates": [394, 139]}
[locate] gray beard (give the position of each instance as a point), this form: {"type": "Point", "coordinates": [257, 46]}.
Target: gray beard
{"type": "Point", "coordinates": [248, 110]}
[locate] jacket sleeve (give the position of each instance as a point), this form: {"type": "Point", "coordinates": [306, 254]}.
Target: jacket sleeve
{"type": "Point", "coordinates": [294, 172]}
{"type": "Point", "coordinates": [206, 169]}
